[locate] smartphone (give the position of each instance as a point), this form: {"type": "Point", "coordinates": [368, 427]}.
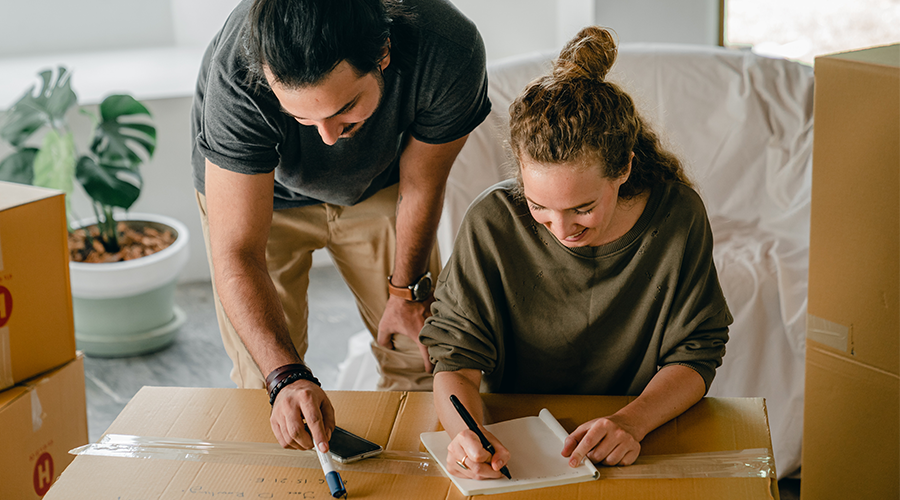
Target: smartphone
{"type": "Point", "coordinates": [347, 447]}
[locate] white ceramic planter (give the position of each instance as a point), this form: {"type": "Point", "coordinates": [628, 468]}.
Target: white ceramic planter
{"type": "Point", "coordinates": [131, 277]}
{"type": "Point", "coordinates": [127, 308]}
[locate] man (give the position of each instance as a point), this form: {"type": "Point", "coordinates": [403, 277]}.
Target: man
{"type": "Point", "coordinates": [329, 124]}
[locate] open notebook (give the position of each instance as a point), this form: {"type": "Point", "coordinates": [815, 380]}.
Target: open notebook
{"type": "Point", "coordinates": [534, 444]}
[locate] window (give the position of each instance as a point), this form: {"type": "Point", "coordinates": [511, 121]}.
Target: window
{"type": "Point", "coordinates": [803, 29]}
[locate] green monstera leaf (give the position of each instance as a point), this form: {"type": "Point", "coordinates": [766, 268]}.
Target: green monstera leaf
{"type": "Point", "coordinates": [123, 143]}
{"type": "Point", "coordinates": [19, 166]}
{"type": "Point", "coordinates": [111, 186]}
{"type": "Point", "coordinates": [35, 110]}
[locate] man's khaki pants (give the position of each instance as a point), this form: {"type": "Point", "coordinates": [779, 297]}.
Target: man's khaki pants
{"type": "Point", "coordinates": [361, 240]}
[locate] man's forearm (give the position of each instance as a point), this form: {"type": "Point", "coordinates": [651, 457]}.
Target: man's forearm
{"type": "Point", "coordinates": [424, 169]}
{"type": "Point", "coordinates": [239, 208]}
{"type": "Point", "coordinates": [252, 305]}
{"type": "Point", "coordinates": [418, 215]}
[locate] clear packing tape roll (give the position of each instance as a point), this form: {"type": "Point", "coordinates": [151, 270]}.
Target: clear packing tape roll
{"type": "Point", "coordinates": [756, 462]}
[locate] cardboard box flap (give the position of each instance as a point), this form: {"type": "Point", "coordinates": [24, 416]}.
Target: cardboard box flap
{"type": "Point", "coordinates": [369, 415]}
{"type": "Point", "coordinates": [713, 424]}
{"type": "Point", "coordinates": [886, 55]}
{"type": "Point", "coordinates": [239, 417]}
{"type": "Point", "coordinates": [199, 414]}
{"type": "Point", "coordinates": [13, 194]}
{"type": "Point", "coordinates": [9, 396]}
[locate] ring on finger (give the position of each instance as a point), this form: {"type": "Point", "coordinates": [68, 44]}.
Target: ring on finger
{"type": "Point", "coordinates": [462, 464]}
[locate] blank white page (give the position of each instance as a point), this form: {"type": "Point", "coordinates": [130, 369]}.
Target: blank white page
{"type": "Point", "coordinates": [535, 446]}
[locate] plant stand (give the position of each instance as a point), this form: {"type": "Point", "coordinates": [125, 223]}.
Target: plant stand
{"type": "Point", "coordinates": [128, 308]}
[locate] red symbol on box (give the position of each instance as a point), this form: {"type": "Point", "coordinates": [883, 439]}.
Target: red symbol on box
{"type": "Point", "coordinates": [5, 305]}
{"type": "Point", "coordinates": [43, 474]}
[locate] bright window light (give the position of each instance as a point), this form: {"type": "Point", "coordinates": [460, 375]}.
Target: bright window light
{"type": "Point", "coordinates": [803, 29]}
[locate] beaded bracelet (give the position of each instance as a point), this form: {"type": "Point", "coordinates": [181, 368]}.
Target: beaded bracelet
{"type": "Point", "coordinates": [285, 375]}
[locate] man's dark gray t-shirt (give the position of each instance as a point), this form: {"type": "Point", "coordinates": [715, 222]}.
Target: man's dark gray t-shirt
{"type": "Point", "coordinates": [438, 97]}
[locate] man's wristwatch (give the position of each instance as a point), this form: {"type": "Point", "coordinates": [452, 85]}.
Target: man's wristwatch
{"type": "Point", "coordinates": [418, 291]}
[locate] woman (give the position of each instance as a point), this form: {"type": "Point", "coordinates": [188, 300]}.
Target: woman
{"type": "Point", "coordinates": [590, 273]}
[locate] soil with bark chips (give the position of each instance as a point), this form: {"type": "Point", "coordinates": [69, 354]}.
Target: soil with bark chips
{"type": "Point", "coordinates": [135, 242]}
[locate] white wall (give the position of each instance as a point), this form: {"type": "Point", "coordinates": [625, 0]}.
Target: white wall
{"type": "Point", "coordinates": [512, 27]}
{"type": "Point", "coordinates": [152, 48]}
{"type": "Point", "coordinates": [196, 21]}
{"type": "Point", "coordinates": [40, 26]}
{"type": "Point", "coordinates": [681, 21]}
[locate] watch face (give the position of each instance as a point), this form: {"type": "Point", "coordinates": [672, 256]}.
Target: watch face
{"type": "Point", "coordinates": [422, 289]}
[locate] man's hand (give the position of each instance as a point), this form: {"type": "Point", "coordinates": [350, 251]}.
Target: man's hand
{"type": "Point", "coordinates": [296, 402]}
{"type": "Point", "coordinates": [603, 440]}
{"type": "Point", "coordinates": [405, 318]}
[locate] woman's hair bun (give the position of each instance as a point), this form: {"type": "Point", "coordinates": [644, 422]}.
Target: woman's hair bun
{"type": "Point", "coordinates": [590, 54]}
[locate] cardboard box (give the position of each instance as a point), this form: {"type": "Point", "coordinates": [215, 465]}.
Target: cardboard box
{"type": "Point", "coordinates": [40, 421]}
{"type": "Point", "coordinates": [394, 420]}
{"type": "Point", "coordinates": [851, 442]}
{"type": "Point", "coordinates": [37, 332]}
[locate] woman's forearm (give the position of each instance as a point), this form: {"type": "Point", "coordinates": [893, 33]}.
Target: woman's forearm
{"type": "Point", "coordinates": [464, 384]}
{"type": "Point", "coordinates": [673, 390]}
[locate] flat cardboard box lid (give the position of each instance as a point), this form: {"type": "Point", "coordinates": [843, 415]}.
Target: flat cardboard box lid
{"type": "Point", "coordinates": [394, 420]}
{"type": "Point", "coordinates": [886, 55]}
{"type": "Point", "coordinates": [13, 194]}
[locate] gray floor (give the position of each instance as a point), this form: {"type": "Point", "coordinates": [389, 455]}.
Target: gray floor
{"type": "Point", "coordinates": [197, 358]}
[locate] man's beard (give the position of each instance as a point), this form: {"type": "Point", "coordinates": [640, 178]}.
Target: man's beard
{"type": "Point", "coordinates": [364, 126]}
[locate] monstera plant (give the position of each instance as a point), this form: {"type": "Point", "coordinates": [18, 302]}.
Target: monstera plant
{"type": "Point", "coordinates": [123, 138]}
{"type": "Point", "coordinates": [123, 265]}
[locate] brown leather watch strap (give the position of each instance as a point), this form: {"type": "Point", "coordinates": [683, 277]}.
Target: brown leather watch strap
{"type": "Point", "coordinates": [403, 292]}
{"type": "Point", "coordinates": [419, 291]}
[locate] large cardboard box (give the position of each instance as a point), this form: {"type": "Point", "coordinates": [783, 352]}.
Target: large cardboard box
{"type": "Point", "coordinates": [40, 421]}
{"type": "Point", "coordinates": [851, 441]}
{"type": "Point", "coordinates": [37, 332]}
{"type": "Point", "coordinates": [166, 467]}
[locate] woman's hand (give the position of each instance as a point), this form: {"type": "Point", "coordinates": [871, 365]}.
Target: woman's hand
{"type": "Point", "coordinates": [616, 439]}
{"type": "Point", "coordinates": [603, 440]}
{"type": "Point", "coordinates": [467, 458]}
